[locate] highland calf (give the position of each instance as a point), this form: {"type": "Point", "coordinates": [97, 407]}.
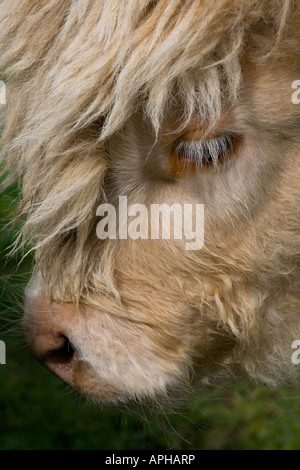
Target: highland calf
{"type": "Point", "coordinates": [164, 102]}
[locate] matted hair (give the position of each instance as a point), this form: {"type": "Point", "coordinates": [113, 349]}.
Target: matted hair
{"type": "Point", "coordinates": [76, 71]}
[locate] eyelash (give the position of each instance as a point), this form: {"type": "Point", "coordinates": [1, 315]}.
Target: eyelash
{"type": "Point", "coordinates": [205, 151]}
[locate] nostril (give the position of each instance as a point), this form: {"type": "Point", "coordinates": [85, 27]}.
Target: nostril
{"type": "Point", "coordinates": [62, 359]}
{"type": "Point", "coordinates": [50, 337]}
{"type": "Point", "coordinates": [64, 355]}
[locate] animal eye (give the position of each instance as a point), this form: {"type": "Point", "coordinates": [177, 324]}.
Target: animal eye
{"type": "Point", "coordinates": [204, 151]}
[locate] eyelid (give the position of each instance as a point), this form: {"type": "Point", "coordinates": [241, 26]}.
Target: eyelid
{"type": "Point", "coordinates": [196, 134]}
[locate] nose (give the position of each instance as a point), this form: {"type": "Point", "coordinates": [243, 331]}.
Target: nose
{"type": "Point", "coordinates": [53, 332]}
{"type": "Point", "coordinates": [48, 335]}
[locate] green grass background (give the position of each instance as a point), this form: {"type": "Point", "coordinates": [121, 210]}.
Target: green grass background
{"type": "Point", "coordinates": [37, 411]}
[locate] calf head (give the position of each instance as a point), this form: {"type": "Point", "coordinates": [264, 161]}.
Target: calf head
{"type": "Point", "coordinates": [163, 102]}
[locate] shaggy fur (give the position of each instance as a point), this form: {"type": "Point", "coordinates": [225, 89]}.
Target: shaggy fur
{"type": "Point", "coordinates": [98, 92]}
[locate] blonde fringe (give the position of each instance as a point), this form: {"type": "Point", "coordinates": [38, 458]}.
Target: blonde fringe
{"type": "Point", "coordinates": [88, 65]}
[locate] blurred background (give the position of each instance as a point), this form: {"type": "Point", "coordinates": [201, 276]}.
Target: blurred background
{"type": "Point", "coordinates": [37, 411]}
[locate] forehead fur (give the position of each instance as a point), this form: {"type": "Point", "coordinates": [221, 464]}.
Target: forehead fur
{"type": "Point", "coordinates": [81, 61]}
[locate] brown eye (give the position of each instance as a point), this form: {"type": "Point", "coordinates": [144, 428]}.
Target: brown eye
{"type": "Point", "coordinates": [204, 151]}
